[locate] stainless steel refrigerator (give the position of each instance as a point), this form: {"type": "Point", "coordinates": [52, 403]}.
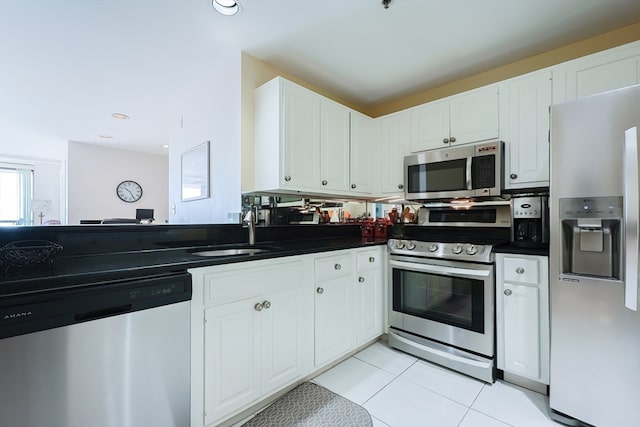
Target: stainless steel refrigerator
{"type": "Point", "coordinates": [595, 322]}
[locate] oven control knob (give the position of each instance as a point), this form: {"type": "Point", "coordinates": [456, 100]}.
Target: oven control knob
{"type": "Point", "coordinates": [472, 250]}
{"type": "Point", "coordinates": [411, 245]}
{"type": "Point", "coordinates": [433, 247]}
{"type": "Point", "coordinates": [457, 249]}
{"type": "Point", "coordinates": [400, 244]}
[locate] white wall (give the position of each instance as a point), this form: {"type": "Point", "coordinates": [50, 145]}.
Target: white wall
{"type": "Point", "coordinates": [94, 173]}
{"type": "Point", "coordinates": [212, 114]}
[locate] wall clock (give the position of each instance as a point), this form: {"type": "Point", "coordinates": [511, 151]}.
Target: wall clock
{"type": "Point", "coordinates": [129, 191]}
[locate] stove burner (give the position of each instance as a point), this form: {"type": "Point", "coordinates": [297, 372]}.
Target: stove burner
{"type": "Point", "coordinates": [452, 251]}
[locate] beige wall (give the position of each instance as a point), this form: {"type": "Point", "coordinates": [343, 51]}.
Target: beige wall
{"type": "Point", "coordinates": [256, 72]}
{"type": "Point", "coordinates": [566, 53]}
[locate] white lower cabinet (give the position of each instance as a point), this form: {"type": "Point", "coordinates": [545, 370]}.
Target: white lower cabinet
{"type": "Point", "coordinates": [258, 326]}
{"type": "Point", "coordinates": [249, 335]}
{"type": "Point", "coordinates": [348, 301]}
{"type": "Point", "coordinates": [522, 316]}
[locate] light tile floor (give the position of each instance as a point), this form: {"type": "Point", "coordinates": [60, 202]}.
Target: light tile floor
{"type": "Point", "coordinates": [400, 390]}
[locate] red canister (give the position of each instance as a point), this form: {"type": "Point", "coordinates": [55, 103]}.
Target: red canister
{"type": "Point", "coordinates": [367, 229]}
{"type": "Point", "coordinates": [382, 228]}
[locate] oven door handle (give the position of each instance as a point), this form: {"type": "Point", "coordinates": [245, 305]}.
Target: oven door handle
{"type": "Point", "coordinates": [440, 269]}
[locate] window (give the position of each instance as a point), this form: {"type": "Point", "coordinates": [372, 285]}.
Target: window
{"type": "Point", "coordinates": [16, 192]}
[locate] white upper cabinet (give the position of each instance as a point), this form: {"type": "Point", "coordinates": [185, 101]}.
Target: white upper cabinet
{"type": "Point", "coordinates": [287, 137]}
{"type": "Point", "coordinates": [362, 154]}
{"type": "Point", "coordinates": [460, 119]}
{"type": "Point", "coordinates": [306, 143]}
{"type": "Point", "coordinates": [524, 126]}
{"type": "Point", "coordinates": [394, 133]}
{"type": "Point", "coordinates": [603, 71]}
{"type": "Point", "coordinates": [334, 146]}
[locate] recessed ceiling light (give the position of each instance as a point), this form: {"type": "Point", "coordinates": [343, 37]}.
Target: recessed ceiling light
{"type": "Point", "coordinates": [165, 146]}
{"type": "Point", "coordinates": [105, 136]}
{"type": "Point", "coordinates": [119, 116]}
{"type": "Point", "coordinates": [226, 7]}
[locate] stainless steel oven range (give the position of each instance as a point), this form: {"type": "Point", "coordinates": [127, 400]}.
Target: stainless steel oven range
{"type": "Point", "coordinates": [441, 304]}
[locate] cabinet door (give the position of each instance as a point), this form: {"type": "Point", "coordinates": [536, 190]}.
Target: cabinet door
{"type": "Point", "coordinates": [430, 126]}
{"type": "Point", "coordinates": [231, 358]}
{"type": "Point", "coordinates": [367, 298]}
{"type": "Point", "coordinates": [300, 147]}
{"type": "Point", "coordinates": [474, 115]}
{"type": "Point", "coordinates": [333, 327]}
{"type": "Point", "coordinates": [361, 154]}
{"type": "Point", "coordinates": [526, 130]}
{"type": "Point", "coordinates": [395, 132]}
{"type": "Point", "coordinates": [602, 72]}
{"type": "Point", "coordinates": [334, 147]}
{"type": "Point", "coordinates": [521, 314]}
{"type": "Point", "coordinates": [282, 336]}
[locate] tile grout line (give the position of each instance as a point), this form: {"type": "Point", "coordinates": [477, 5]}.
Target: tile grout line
{"type": "Point", "coordinates": [387, 384]}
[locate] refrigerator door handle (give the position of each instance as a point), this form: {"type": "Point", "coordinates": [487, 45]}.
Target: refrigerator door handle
{"type": "Point", "coordinates": [631, 218]}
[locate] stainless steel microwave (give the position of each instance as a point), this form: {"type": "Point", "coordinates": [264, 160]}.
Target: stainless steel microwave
{"type": "Point", "coordinates": [466, 171]}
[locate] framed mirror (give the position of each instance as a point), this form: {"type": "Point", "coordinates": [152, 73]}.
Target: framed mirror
{"type": "Point", "coordinates": [195, 173]}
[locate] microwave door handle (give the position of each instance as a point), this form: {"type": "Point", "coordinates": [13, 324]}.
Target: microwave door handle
{"type": "Point", "coordinates": [630, 167]}
{"type": "Point", "coordinates": [440, 269]}
{"type": "Point", "coordinates": [469, 170]}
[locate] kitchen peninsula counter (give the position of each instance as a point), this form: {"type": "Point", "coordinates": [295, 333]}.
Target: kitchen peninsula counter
{"type": "Point", "coordinates": [96, 254]}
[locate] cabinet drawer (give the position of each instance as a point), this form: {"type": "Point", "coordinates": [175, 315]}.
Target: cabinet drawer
{"type": "Point", "coordinates": [521, 270]}
{"type": "Point", "coordinates": [369, 260]}
{"type": "Point", "coordinates": [333, 267]}
{"type": "Point", "coordinates": [247, 281]}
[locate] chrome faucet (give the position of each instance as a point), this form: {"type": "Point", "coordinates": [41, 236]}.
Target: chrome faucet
{"type": "Point", "coordinates": [250, 218]}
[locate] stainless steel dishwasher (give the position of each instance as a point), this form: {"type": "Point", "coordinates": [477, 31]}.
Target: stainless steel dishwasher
{"type": "Point", "coordinates": [113, 354]}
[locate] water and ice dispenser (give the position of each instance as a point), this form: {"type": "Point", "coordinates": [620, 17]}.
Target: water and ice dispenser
{"type": "Point", "coordinates": [592, 236]}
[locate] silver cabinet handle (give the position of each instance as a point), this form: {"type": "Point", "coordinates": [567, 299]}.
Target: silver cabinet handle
{"type": "Point", "coordinates": [320, 290]}
{"type": "Point", "coordinates": [519, 270]}
{"type": "Point", "coordinates": [337, 266]}
{"type": "Point", "coordinates": [400, 186]}
{"type": "Point", "coordinates": [446, 140]}
{"type": "Point", "coordinates": [372, 259]}
{"type": "Point", "coordinates": [258, 307]}
{"type": "Point", "coordinates": [513, 176]}
{"type": "Point", "coordinates": [266, 304]}
{"type": "Point", "coordinates": [361, 279]}
{"type": "Point", "coordinates": [287, 178]}
{"type": "Point", "coordinates": [453, 139]}
{"type": "Point", "coordinates": [507, 292]}
{"type": "Point", "coordinates": [324, 182]}
{"type": "Point", "coordinates": [353, 186]}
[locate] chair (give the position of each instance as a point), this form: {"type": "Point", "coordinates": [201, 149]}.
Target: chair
{"type": "Point", "coordinates": [142, 214]}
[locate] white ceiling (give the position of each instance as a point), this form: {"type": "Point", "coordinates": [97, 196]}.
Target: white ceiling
{"type": "Point", "coordinates": [66, 65]}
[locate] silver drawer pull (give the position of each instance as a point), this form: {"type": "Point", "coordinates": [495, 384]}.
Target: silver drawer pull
{"type": "Point", "coordinates": [337, 266]}
{"type": "Point", "coordinates": [266, 304]}
{"type": "Point", "coordinates": [372, 259]}
{"type": "Point", "coordinates": [519, 270]}
{"type": "Point", "coordinates": [258, 307]}
{"type": "Point", "coordinates": [320, 290]}
{"type": "Point", "coordinates": [361, 279]}
{"type": "Point", "coordinates": [507, 292]}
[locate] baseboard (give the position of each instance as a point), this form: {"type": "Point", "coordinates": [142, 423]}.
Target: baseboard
{"type": "Point", "coordinates": [526, 383]}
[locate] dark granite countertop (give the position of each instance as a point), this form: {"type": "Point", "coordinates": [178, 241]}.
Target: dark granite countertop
{"type": "Point", "coordinates": [75, 268]}
{"type": "Point", "coordinates": [510, 248]}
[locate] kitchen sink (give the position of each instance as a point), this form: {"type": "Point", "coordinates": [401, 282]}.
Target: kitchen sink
{"type": "Point", "coordinates": [230, 252]}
